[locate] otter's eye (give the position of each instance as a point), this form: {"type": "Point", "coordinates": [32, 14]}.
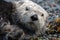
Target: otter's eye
{"type": "Point", "coordinates": [27, 8]}
{"type": "Point", "coordinates": [42, 14]}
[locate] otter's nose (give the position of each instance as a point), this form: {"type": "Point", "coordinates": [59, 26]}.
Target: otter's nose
{"type": "Point", "coordinates": [34, 17]}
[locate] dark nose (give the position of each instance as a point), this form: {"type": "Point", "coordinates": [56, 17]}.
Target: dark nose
{"type": "Point", "coordinates": [34, 17]}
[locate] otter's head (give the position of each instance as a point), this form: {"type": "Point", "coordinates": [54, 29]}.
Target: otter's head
{"type": "Point", "coordinates": [30, 12]}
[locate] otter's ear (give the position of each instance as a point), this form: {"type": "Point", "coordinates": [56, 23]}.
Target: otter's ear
{"type": "Point", "coordinates": [19, 3]}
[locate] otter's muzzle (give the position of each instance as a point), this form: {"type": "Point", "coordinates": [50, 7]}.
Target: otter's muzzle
{"type": "Point", "coordinates": [34, 17]}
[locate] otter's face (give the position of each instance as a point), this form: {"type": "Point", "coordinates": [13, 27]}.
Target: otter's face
{"type": "Point", "coordinates": [27, 14]}
{"type": "Point", "coordinates": [30, 12]}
